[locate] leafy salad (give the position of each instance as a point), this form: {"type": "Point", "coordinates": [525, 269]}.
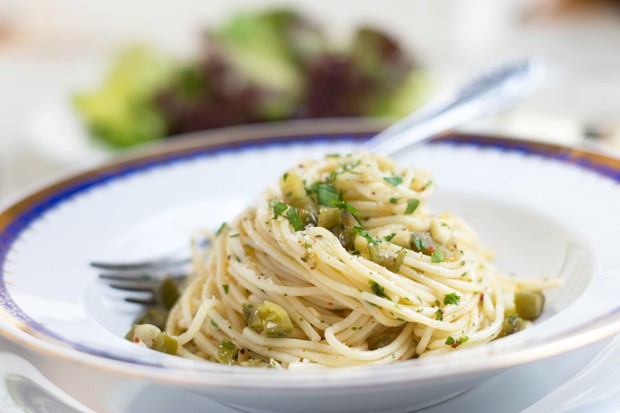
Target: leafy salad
{"type": "Point", "coordinates": [257, 67]}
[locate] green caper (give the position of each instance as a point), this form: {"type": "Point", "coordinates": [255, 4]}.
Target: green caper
{"type": "Point", "coordinates": [228, 352]}
{"type": "Point", "coordinates": [165, 344]}
{"type": "Point", "coordinates": [153, 338]}
{"type": "Point", "coordinates": [156, 316]}
{"type": "Point", "coordinates": [512, 324]}
{"type": "Point", "coordinates": [167, 293]}
{"type": "Point", "coordinates": [307, 217]}
{"type": "Point", "coordinates": [255, 363]}
{"type": "Point", "coordinates": [380, 254]}
{"type": "Point", "coordinates": [529, 305]}
{"type": "Point", "coordinates": [250, 315]}
{"type": "Point", "coordinates": [268, 318]}
{"type": "Point", "coordinates": [329, 218]}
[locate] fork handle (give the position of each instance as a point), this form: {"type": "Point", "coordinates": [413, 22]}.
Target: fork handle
{"type": "Point", "coordinates": [484, 95]}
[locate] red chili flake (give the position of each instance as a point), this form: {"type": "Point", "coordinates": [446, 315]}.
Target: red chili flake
{"type": "Point", "coordinates": [374, 193]}
{"type": "Point", "coordinates": [136, 340]}
{"type": "Point", "coordinates": [242, 351]}
{"type": "Point", "coordinates": [329, 303]}
{"type": "Point", "coordinates": [431, 249]}
{"type": "Point", "coordinates": [481, 297]}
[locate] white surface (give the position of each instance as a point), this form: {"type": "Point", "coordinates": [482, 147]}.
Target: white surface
{"type": "Point", "coordinates": [525, 195]}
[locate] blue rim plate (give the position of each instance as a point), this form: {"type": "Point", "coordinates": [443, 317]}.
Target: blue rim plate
{"type": "Point", "coordinates": [568, 195]}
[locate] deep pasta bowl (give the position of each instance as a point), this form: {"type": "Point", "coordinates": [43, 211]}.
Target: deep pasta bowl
{"type": "Point", "coordinates": [546, 211]}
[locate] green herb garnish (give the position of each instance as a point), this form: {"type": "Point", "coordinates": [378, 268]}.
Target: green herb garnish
{"type": "Point", "coordinates": [393, 180]}
{"type": "Point", "coordinates": [366, 235]}
{"type": "Point", "coordinates": [226, 288]}
{"type": "Point", "coordinates": [439, 314]}
{"type": "Point", "coordinates": [326, 193]}
{"type": "Point", "coordinates": [389, 238]}
{"type": "Point", "coordinates": [437, 256]}
{"type": "Point", "coordinates": [452, 298]}
{"type": "Point", "coordinates": [451, 341]}
{"type": "Point", "coordinates": [278, 207]}
{"type": "Point", "coordinates": [221, 228]}
{"type": "Point", "coordinates": [412, 205]}
{"type": "Point", "coordinates": [378, 289]}
{"type": "Point", "coordinates": [344, 205]}
{"type": "Point", "coordinates": [419, 244]}
{"type": "Point", "coordinates": [294, 219]}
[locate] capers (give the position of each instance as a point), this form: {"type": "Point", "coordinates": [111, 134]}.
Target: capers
{"type": "Point", "coordinates": [340, 223]}
{"type": "Point", "coordinates": [529, 305]}
{"type": "Point", "coordinates": [165, 344]}
{"type": "Point", "coordinates": [156, 316]}
{"type": "Point", "coordinates": [152, 337]}
{"type": "Point", "coordinates": [167, 293]}
{"type": "Point", "coordinates": [228, 352]}
{"type": "Point", "coordinates": [268, 318]}
{"type": "Point", "coordinates": [380, 254]}
{"type": "Point", "coordinates": [512, 324]}
{"type": "Point", "coordinates": [329, 218]}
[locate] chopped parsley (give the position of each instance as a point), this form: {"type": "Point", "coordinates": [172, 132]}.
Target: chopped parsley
{"type": "Point", "coordinates": [393, 180]}
{"type": "Point", "coordinates": [393, 200]}
{"type": "Point", "coordinates": [378, 289]}
{"type": "Point", "coordinates": [234, 235]}
{"type": "Point", "coordinates": [326, 193]}
{"type": "Point", "coordinates": [452, 298]}
{"type": "Point", "coordinates": [366, 235]}
{"type": "Point", "coordinates": [221, 228]}
{"type": "Point", "coordinates": [344, 205]}
{"type": "Point", "coordinates": [419, 244]}
{"type": "Point", "coordinates": [437, 256]}
{"type": "Point", "coordinates": [412, 205]}
{"type": "Point", "coordinates": [226, 287]}
{"type": "Point", "coordinates": [294, 219]}
{"type": "Point", "coordinates": [439, 314]}
{"type": "Point", "coordinates": [285, 176]}
{"type": "Point", "coordinates": [389, 238]}
{"type": "Point", "coordinates": [451, 341]}
{"type": "Point", "coordinates": [290, 212]}
{"type": "Point", "coordinates": [278, 207]}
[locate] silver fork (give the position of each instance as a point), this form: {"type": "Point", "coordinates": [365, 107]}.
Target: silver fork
{"type": "Point", "coordinates": [483, 95]}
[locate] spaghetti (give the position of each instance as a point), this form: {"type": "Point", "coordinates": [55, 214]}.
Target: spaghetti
{"type": "Point", "coordinates": [343, 264]}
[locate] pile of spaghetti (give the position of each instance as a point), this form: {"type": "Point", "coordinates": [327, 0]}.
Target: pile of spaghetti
{"type": "Point", "coordinates": [343, 264]}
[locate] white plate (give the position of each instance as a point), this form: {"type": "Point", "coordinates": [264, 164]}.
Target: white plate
{"type": "Point", "coordinates": [544, 209]}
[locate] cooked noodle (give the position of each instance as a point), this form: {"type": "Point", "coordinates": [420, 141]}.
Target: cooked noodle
{"type": "Point", "coordinates": [346, 307]}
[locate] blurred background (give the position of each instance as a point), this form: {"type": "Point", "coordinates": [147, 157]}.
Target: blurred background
{"type": "Point", "coordinates": [82, 80]}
